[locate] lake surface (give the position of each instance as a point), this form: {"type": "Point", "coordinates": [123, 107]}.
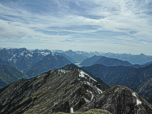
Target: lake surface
{"type": "Point", "coordinates": [78, 64]}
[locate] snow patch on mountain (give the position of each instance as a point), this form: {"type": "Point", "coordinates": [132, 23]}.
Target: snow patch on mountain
{"type": "Point", "coordinates": [45, 53]}
{"type": "Point", "coordinates": [86, 100]}
{"type": "Point", "coordinates": [92, 97]}
{"type": "Point", "coordinates": [99, 91]}
{"type": "Point", "coordinates": [62, 71]}
{"type": "Point", "coordinates": [14, 60]}
{"type": "Point", "coordinates": [71, 110]}
{"type": "Point", "coordinates": [22, 54]}
{"type": "Point", "coordinates": [10, 59]}
{"type": "Point", "coordinates": [83, 75]}
{"type": "Point", "coordinates": [138, 102]}
{"type": "Point", "coordinates": [14, 55]}
{"type": "Point", "coordinates": [53, 54]}
{"type": "Point", "coordinates": [28, 55]}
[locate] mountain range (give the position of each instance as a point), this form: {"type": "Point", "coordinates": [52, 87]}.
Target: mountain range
{"type": "Point", "coordinates": [133, 59]}
{"type": "Point", "coordinates": [20, 58]}
{"type": "Point", "coordinates": [24, 59]}
{"type": "Point", "coordinates": [16, 64]}
{"type": "Point", "coordinates": [69, 91]}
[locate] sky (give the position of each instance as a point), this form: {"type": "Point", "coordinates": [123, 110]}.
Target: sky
{"type": "Point", "coordinates": [117, 26]}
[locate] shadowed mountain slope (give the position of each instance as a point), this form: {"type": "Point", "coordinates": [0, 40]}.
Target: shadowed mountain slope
{"type": "Point", "coordinates": [5, 63]}
{"type": "Point", "coordinates": [90, 61]}
{"type": "Point", "coordinates": [9, 74]}
{"type": "Point", "coordinates": [145, 90]}
{"type": "Point", "coordinates": [133, 77]}
{"type": "Point", "coordinates": [104, 61]}
{"type": "Point", "coordinates": [49, 62]}
{"type": "Point", "coordinates": [69, 58]}
{"type": "Point", "coordinates": [121, 75]}
{"type": "Point", "coordinates": [112, 62]}
{"type": "Point", "coordinates": [75, 56]}
{"type": "Point", "coordinates": [107, 74]}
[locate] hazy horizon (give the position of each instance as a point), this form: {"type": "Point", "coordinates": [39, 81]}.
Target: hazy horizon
{"type": "Point", "coordinates": [118, 26]}
{"type": "Point", "coordinates": [75, 51]}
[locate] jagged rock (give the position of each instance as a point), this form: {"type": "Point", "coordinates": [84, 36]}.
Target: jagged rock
{"type": "Point", "coordinates": [121, 100]}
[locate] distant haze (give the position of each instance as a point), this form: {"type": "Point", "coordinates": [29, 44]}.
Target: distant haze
{"type": "Point", "coordinates": [117, 26]}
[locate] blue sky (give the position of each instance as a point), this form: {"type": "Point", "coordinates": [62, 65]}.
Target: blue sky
{"type": "Point", "coordinates": [118, 26]}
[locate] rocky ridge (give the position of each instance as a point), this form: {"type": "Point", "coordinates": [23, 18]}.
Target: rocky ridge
{"type": "Point", "coordinates": [68, 91]}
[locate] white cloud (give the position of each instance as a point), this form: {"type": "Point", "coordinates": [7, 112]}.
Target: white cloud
{"type": "Point", "coordinates": [145, 43]}
{"type": "Point", "coordinates": [116, 22]}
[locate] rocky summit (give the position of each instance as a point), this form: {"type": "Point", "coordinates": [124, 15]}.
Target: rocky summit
{"type": "Point", "coordinates": [69, 91]}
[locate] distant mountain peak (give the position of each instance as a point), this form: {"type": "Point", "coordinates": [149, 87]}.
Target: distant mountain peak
{"type": "Point", "coordinates": [70, 67]}
{"type": "Point", "coordinates": [142, 54]}
{"type": "Point", "coordinates": [69, 51]}
{"type": "Point", "coordinates": [23, 48]}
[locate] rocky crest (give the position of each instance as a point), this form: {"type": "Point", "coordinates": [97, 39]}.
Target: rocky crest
{"type": "Point", "coordinates": [68, 91]}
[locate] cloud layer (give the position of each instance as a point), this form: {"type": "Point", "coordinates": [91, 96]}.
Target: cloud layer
{"type": "Point", "coordinates": [120, 26]}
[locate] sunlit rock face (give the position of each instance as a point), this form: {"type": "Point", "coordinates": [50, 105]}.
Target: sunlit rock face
{"type": "Point", "coordinates": [68, 91]}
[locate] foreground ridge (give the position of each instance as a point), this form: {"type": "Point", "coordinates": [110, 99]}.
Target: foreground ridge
{"type": "Point", "coordinates": [69, 91]}
{"type": "Point", "coordinates": [92, 111]}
